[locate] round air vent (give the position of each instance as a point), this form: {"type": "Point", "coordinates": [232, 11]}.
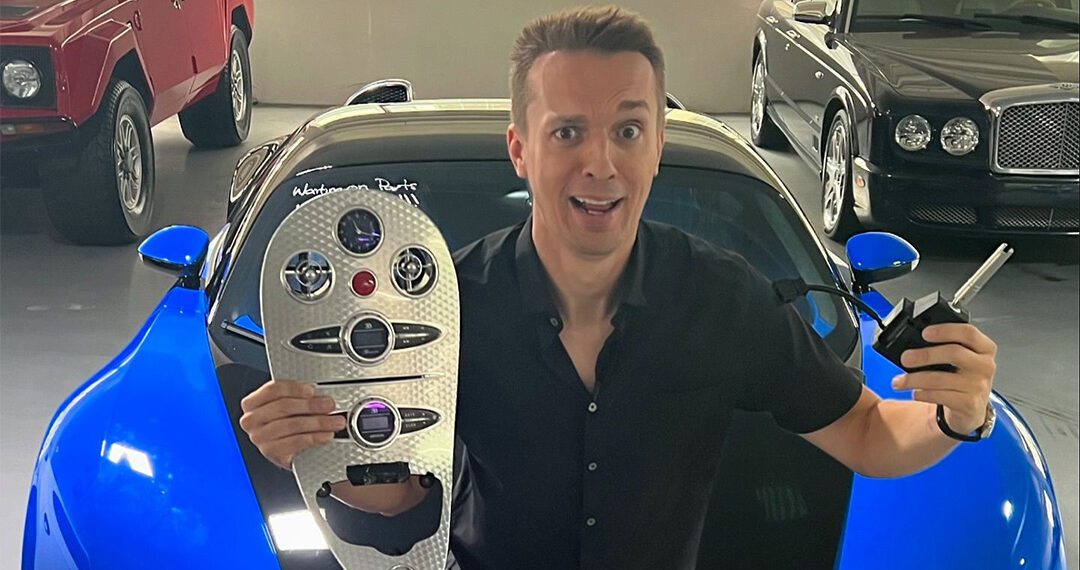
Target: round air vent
{"type": "Point", "coordinates": [307, 276]}
{"type": "Point", "coordinates": [414, 271]}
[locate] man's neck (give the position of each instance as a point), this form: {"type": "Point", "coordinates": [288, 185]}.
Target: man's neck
{"type": "Point", "coordinates": [584, 287]}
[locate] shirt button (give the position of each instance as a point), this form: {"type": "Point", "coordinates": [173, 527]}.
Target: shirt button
{"type": "Point", "coordinates": [590, 522]}
{"type": "Point", "coordinates": [592, 407]}
{"type": "Point", "coordinates": [554, 322]}
{"type": "Point", "coordinates": [592, 466]}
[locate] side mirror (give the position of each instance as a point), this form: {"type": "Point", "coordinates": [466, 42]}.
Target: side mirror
{"type": "Point", "coordinates": [382, 91]}
{"type": "Point", "coordinates": [245, 171]}
{"type": "Point", "coordinates": [674, 103]}
{"type": "Point", "coordinates": [879, 256]}
{"type": "Point", "coordinates": [179, 250]}
{"type": "Point", "coordinates": [813, 12]}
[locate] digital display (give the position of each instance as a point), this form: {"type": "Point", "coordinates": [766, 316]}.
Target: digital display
{"type": "Point", "coordinates": [369, 339]}
{"type": "Point", "coordinates": [375, 423]}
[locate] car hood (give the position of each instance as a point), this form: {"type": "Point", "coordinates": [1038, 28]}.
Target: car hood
{"type": "Point", "coordinates": [30, 15]}
{"type": "Point", "coordinates": [923, 65]}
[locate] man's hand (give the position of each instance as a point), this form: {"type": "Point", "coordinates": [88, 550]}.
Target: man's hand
{"type": "Point", "coordinates": [963, 393]}
{"type": "Point", "coordinates": [283, 418]}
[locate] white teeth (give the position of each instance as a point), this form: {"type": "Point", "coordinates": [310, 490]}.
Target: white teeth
{"type": "Point", "coordinates": [598, 203]}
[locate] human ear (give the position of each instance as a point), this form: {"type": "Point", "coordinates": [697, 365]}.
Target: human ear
{"type": "Point", "coordinates": [515, 145]}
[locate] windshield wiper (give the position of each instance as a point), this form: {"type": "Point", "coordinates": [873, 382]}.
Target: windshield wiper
{"type": "Point", "coordinates": [245, 327]}
{"type": "Point", "coordinates": [943, 21]}
{"type": "Point", "coordinates": [1034, 20]}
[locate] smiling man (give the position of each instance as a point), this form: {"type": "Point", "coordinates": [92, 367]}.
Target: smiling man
{"type": "Point", "coordinates": [602, 356]}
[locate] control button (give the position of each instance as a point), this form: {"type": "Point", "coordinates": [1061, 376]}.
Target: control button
{"type": "Point", "coordinates": [590, 522]}
{"type": "Point", "coordinates": [369, 338]}
{"type": "Point", "coordinates": [364, 283]}
{"type": "Point", "coordinates": [416, 419]}
{"type": "Point", "coordinates": [409, 335]}
{"type": "Point", "coordinates": [592, 407]}
{"type": "Point", "coordinates": [323, 341]}
{"type": "Point", "coordinates": [592, 466]}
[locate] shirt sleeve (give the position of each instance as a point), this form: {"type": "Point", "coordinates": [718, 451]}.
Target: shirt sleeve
{"type": "Point", "coordinates": [788, 370]}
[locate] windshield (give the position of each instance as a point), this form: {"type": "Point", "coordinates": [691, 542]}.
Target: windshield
{"type": "Point", "coordinates": [468, 200]}
{"type": "Point", "coordinates": [1023, 16]}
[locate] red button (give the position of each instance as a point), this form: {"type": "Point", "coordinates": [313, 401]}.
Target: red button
{"type": "Point", "coordinates": [363, 283]}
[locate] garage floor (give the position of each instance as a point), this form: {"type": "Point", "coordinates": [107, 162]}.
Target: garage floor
{"type": "Point", "coordinates": [66, 310]}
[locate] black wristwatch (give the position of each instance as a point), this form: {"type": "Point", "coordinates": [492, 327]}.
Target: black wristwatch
{"type": "Point", "coordinates": [981, 433]}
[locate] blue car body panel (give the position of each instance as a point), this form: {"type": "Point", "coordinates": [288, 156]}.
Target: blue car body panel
{"type": "Point", "coordinates": [988, 505]}
{"type": "Point", "coordinates": [139, 466]}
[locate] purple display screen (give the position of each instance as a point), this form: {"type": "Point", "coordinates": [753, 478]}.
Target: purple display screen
{"type": "Point", "coordinates": [375, 423]}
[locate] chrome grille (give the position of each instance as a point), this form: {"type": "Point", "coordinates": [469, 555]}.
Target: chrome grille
{"type": "Point", "coordinates": [943, 214]}
{"type": "Point", "coordinates": [1039, 138]}
{"type": "Point", "coordinates": [1027, 218]}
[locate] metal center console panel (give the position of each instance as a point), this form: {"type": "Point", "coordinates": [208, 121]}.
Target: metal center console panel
{"type": "Point", "coordinates": [360, 297]}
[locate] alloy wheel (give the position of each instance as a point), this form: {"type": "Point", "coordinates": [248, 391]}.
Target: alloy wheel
{"type": "Point", "coordinates": [127, 151]}
{"type": "Point", "coordinates": [834, 176]}
{"type": "Point", "coordinates": [757, 99]}
{"type": "Point", "coordinates": [236, 79]}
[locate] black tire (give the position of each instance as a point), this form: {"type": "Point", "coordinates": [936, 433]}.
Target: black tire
{"type": "Point", "coordinates": [838, 219]}
{"type": "Point", "coordinates": [763, 132]}
{"type": "Point", "coordinates": [85, 199]}
{"type": "Point", "coordinates": [219, 120]}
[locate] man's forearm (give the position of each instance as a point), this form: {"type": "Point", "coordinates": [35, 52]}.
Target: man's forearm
{"type": "Point", "coordinates": [902, 437]}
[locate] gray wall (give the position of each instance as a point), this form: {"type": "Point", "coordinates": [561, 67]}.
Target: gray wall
{"type": "Point", "coordinates": [320, 51]}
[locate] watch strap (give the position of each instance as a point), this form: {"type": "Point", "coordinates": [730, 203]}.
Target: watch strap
{"type": "Point", "coordinates": [944, 426]}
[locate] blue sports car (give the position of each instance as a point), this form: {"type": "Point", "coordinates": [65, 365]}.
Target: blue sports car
{"type": "Point", "coordinates": [145, 464]}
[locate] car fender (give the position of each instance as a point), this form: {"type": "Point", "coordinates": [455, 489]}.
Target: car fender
{"type": "Point", "coordinates": [987, 505]}
{"type": "Point", "coordinates": [141, 463]}
{"type": "Point", "coordinates": [97, 52]}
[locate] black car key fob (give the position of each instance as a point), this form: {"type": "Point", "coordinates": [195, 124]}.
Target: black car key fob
{"type": "Point", "coordinates": [903, 327]}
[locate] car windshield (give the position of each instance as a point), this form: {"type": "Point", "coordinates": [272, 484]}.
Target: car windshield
{"type": "Point", "coordinates": [468, 200]}
{"type": "Point", "coordinates": [1023, 16]}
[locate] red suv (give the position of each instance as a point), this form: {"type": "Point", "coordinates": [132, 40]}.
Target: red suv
{"type": "Point", "coordinates": [84, 80]}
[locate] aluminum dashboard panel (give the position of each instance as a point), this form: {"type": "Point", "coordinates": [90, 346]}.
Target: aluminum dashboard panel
{"type": "Point", "coordinates": [360, 297]}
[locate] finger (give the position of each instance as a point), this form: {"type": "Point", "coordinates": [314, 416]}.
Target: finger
{"type": "Point", "coordinates": [956, 355]}
{"type": "Point", "coordinates": [282, 451]}
{"type": "Point", "coordinates": [932, 380]}
{"type": "Point", "coordinates": [960, 401]}
{"type": "Point", "coordinates": [286, 407]}
{"type": "Point", "coordinates": [288, 427]}
{"type": "Point", "coordinates": [961, 333]}
{"type": "Point", "coordinates": [275, 389]}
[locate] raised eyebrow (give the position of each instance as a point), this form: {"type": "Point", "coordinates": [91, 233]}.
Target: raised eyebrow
{"type": "Point", "coordinates": [632, 105]}
{"type": "Point", "coordinates": [565, 120]}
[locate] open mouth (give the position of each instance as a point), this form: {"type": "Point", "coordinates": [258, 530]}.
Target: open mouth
{"type": "Point", "coordinates": [595, 207]}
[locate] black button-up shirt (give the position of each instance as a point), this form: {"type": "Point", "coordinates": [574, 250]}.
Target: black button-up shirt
{"type": "Point", "coordinates": [558, 477]}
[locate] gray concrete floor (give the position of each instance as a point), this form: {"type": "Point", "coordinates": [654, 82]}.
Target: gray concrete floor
{"type": "Point", "coordinates": [66, 310]}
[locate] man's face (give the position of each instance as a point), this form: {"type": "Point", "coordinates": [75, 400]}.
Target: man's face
{"type": "Point", "coordinates": [591, 150]}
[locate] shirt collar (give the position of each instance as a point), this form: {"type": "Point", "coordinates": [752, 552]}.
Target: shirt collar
{"type": "Point", "coordinates": [537, 291]}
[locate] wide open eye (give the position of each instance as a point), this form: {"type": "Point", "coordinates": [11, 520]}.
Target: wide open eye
{"type": "Point", "coordinates": [566, 133]}
{"type": "Point", "coordinates": [630, 132]}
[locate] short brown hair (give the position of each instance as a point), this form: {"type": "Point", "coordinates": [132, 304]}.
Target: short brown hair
{"type": "Point", "coordinates": [606, 29]}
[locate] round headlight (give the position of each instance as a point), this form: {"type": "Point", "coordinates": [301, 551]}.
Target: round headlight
{"type": "Point", "coordinates": [959, 136]}
{"type": "Point", "coordinates": [21, 79]}
{"type": "Point", "coordinates": [913, 133]}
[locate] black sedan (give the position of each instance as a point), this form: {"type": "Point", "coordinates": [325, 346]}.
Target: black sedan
{"type": "Point", "coordinates": [959, 115]}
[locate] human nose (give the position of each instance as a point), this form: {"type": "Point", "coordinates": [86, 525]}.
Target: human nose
{"type": "Point", "coordinates": [598, 160]}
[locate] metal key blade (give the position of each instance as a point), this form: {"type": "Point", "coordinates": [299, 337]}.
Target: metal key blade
{"type": "Point", "coordinates": [982, 275]}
